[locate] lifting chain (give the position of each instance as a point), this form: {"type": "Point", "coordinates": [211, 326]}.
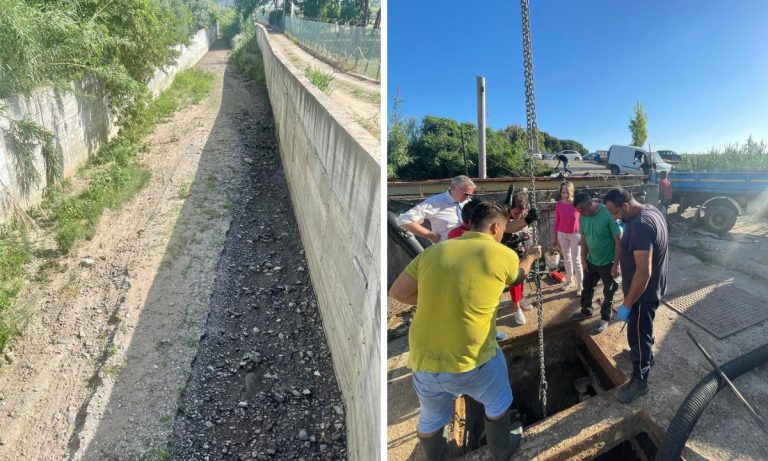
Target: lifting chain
{"type": "Point", "coordinates": [533, 147]}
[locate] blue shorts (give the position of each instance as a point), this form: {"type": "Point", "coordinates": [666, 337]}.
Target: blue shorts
{"type": "Point", "coordinates": [488, 384]}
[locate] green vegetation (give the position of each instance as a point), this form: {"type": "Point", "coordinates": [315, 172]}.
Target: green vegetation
{"type": "Point", "coordinates": [247, 56]}
{"type": "Point", "coordinates": [14, 254]}
{"type": "Point", "coordinates": [320, 79]}
{"type": "Point", "coordinates": [113, 370]}
{"type": "Point", "coordinates": [638, 126]}
{"type": "Point", "coordinates": [434, 148]}
{"type": "Point", "coordinates": [118, 43]}
{"type": "Point", "coordinates": [370, 96]}
{"type": "Point", "coordinates": [184, 191]}
{"type": "Point", "coordinates": [157, 454]}
{"type": "Point", "coordinates": [349, 12]}
{"type": "Point", "coordinates": [116, 175]}
{"type": "Point", "coordinates": [113, 177]}
{"type": "Point", "coordinates": [76, 217]}
{"type": "Point", "coordinates": [229, 24]}
{"type": "Point", "coordinates": [752, 155]}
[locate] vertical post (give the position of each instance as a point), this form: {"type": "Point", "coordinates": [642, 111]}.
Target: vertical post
{"type": "Point", "coordinates": [463, 150]}
{"type": "Point", "coordinates": [481, 173]}
{"type": "Point", "coordinates": [285, 5]}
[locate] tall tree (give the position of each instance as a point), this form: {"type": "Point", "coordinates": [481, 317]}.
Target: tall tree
{"type": "Point", "coordinates": [637, 126]}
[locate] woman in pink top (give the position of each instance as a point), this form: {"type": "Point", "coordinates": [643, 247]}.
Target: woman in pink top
{"type": "Point", "coordinates": [567, 237]}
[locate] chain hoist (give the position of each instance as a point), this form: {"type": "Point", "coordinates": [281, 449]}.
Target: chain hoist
{"type": "Point", "coordinates": [533, 147]}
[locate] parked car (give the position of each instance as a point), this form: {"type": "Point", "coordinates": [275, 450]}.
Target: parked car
{"type": "Point", "coordinates": [590, 157]}
{"type": "Point", "coordinates": [669, 156]}
{"type": "Point", "coordinates": [548, 155]}
{"type": "Point", "coordinates": [634, 160]}
{"type": "Point", "coordinates": [538, 155]}
{"type": "Point", "coordinates": [571, 155]}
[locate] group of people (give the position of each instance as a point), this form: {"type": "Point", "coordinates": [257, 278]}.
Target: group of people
{"type": "Point", "coordinates": [456, 285]}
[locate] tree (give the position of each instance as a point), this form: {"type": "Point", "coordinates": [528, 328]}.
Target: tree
{"type": "Point", "coordinates": [637, 126]}
{"type": "Point", "coordinates": [398, 141]}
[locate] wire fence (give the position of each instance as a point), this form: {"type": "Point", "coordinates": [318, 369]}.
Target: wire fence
{"type": "Point", "coordinates": [353, 49]}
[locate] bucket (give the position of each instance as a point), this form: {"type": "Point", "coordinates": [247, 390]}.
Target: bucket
{"type": "Point", "coordinates": [552, 260]}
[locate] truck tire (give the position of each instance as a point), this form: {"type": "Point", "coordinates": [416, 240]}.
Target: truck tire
{"type": "Point", "coordinates": [615, 170]}
{"type": "Point", "coordinates": [720, 218]}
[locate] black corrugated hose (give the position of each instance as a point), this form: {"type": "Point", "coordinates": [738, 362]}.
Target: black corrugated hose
{"type": "Point", "coordinates": [404, 238]}
{"type": "Point", "coordinates": [697, 401]}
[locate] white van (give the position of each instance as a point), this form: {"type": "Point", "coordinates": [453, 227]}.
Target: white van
{"type": "Point", "coordinates": [630, 159]}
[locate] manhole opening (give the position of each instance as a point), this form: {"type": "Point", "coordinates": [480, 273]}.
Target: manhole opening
{"type": "Point", "coordinates": [573, 374]}
{"type": "Point", "coordinates": [639, 447]}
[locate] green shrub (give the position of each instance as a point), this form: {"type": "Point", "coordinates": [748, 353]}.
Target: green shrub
{"type": "Point", "coordinates": [248, 60]}
{"type": "Point", "coordinates": [320, 79]}
{"type": "Point", "coordinates": [229, 24]}
{"type": "Point", "coordinates": [14, 254]}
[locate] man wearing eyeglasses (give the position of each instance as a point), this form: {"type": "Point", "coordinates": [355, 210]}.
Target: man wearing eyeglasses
{"type": "Point", "coordinates": [443, 211]}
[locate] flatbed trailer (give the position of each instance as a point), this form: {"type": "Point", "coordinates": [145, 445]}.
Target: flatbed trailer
{"type": "Point", "coordinates": [720, 196]}
{"type": "Point", "coordinates": [500, 185]}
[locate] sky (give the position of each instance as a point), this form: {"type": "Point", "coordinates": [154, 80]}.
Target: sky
{"type": "Point", "coordinates": [700, 68]}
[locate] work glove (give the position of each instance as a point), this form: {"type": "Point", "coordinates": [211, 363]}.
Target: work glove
{"type": "Point", "coordinates": [623, 313]}
{"type": "Point", "coordinates": [533, 215]}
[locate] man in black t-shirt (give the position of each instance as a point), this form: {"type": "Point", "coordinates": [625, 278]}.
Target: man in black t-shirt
{"type": "Point", "coordinates": [644, 281]}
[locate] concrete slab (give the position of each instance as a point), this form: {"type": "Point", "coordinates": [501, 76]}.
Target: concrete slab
{"type": "Point", "coordinates": [725, 431]}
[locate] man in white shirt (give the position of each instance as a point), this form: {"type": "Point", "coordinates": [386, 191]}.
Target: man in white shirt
{"type": "Point", "coordinates": [443, 211]}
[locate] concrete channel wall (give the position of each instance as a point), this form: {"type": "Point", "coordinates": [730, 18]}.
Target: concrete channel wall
{"type": "Point", "coordinates": [80, 119]}
{"type": "Point", "coordinates": [333, 171]}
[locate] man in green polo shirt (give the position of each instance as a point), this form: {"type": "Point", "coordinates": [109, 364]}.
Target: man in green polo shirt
{"type": "Point", "coordinates": [456, 287]}
{"type": "Point", "coordinates": [600, 252]}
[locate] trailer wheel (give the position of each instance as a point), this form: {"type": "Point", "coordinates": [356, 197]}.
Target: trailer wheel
{"type": "Point", "coordinates": [614, 170]}
{"type": "Point", "coordinates": [720, 218]}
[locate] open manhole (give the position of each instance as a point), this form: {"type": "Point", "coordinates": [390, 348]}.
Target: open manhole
{"type": "Point", "coordinates": [574, 374]}
{"type": "Point", "coordinates": [639, 447]}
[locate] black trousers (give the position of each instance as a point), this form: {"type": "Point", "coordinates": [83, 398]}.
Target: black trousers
{"type": "Point", "coordinates": [640, 337]}
{"type": "Point", "coordinates": [593, 274]}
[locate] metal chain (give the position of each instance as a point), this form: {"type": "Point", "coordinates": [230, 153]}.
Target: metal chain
{"type": "Point", "coordinates": [533, 147]}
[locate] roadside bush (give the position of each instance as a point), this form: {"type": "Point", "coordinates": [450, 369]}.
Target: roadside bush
{"type": "Point", "coordinates": [247, 57]}
{"type": "Point", "coordinates": [320, 79]}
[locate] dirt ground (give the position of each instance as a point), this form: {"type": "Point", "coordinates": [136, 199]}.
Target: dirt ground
{"type": "Point", "coordinates": [360, 98]}
{"type": "Point", "coordinates": [108, 356]}
{"type": "Point", "coordinates": [725, 430]}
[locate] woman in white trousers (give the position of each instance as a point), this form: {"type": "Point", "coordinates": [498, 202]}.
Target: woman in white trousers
{"type": "Point", "coordinates": [567, 237]}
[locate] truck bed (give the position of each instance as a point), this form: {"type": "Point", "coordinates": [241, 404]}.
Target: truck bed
{"type": "Point", "coordinates": [723, 182]}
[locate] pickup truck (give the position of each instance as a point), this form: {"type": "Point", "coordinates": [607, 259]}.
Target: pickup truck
{"type": "Point", "coordinates": [721, 196]}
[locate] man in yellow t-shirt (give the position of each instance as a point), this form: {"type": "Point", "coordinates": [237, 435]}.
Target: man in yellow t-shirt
{"type": "Point", "coordinates": [456, 288]}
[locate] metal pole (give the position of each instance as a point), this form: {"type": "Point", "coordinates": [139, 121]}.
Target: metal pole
{"type": "Point", "coordinates": [758, 419]}
{"type": "Point", "coordinates": [481, 173]}
{"type": "Point", "coordinates": [285, 3]}
{"type": "Point", "coordinates": [464, 151]}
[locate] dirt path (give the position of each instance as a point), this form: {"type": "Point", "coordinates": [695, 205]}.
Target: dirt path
{"type": "Point", "coordinates": [101, 367]}
{"type": "Point", "coordinates": [359, 98]}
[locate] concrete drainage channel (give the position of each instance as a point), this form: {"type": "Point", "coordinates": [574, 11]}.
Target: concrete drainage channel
{"type": "Point", "coordinates": [578, 373]}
